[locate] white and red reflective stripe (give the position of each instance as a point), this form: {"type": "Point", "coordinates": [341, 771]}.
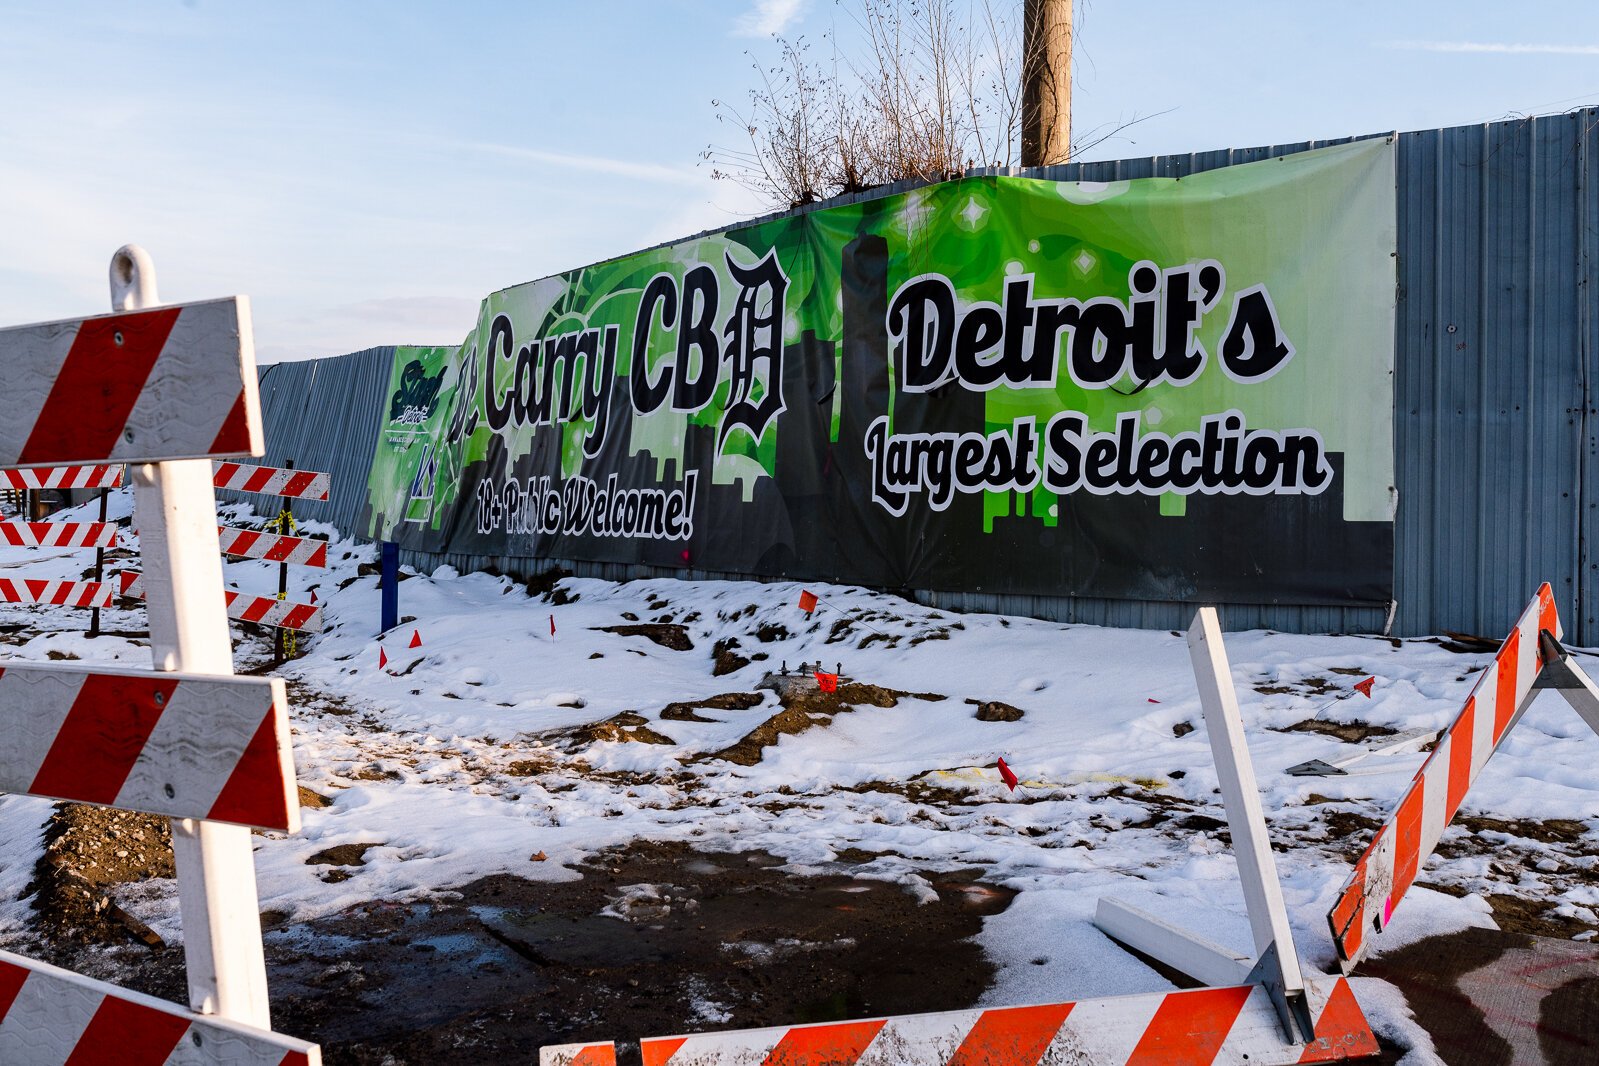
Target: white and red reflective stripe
{"type": "Point", "coordinates": [53, 1017]}
{"type": "Point", "coordinates": [273, 547]}
{"type": "Point", "coordinates": [1200, 1026]}
{"type": "Point", "coordinates": [58, 534]}
{"type": "Point", "coordinates": [166, 383]}
{"type": "Point", "coordinates": [243, 607]}
{"type": "Point", "coordinates": [272, 481]}
{"type": "Point", "coordinates": [56, 593]}
{"type": "Point", "coordinates": [1391, 862]}
{"type": "Point", "coordinates": [184, 745]}
{"type": "Point", "coordinates": [602, 1053]}
{"type": "Point", "coordinates": [62, 477]}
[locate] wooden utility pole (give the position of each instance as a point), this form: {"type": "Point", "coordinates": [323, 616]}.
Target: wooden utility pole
{"type": "Point", "coordinates": [1046, 82]}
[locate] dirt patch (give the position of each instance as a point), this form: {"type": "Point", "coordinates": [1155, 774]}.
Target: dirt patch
{"type": "Point", "coordinates": [544, 582]}
{"type": "Point", "coordinates": [727, 701]}
{"type": "Point", "coordinates": [1493, 998]}
{"type": "Point", "coordinates": [1349, 732]}
{"type": "Point", "coordinates": [667, 635]}
{"type": "Point", "coordinates": [1534, 917]}
{"type": "Point", "coordinates": [725, 658]}
{"type": "Point", "coordinates": [88, 852]}
{"type": "Point", "coordinates": [1350, 831]}
{"type": "Point", "coordinates": [997, 711]}
{"type": "Point", "coordinates": [342, 855]}
{"type": "Point", "coordinates": [1182, 729]}
{"type": "Point", "coordinates": [1550, 831]}
{"type": "Point", "coordinates": [770, 631]}
{"type": "Point", "coordinates": [625, 728]}
{"type": "Point", "coordinates": [803, 707]}
{"type": "Point", "coordinates": [497, 968]}
{"type": "Point", "coordinates": [314, 800]}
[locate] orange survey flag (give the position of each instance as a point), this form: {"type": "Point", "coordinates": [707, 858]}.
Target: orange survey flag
{"type": "Point", "coordinates": [807, 601]}
{"type": "Point", "coordinates": [827, 682]}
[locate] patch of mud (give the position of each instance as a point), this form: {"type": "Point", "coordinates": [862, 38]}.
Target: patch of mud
{"type": "Point", "coordinates": [625, 728]}
{"type": "Point", "coordinates": [725, 659]}
{"type": "Point", "coordinates": [88, 852]}
{"type": "Point", "coordinates": [1349, 732]}
{"type": "Point", "coordinates": [997, 711]}
{"type": "Point", "coordinates": [1550, 830]}
{"type": "Point", "coordinates": [497, 968]}
{"type": "Point", "coordinates": [1493, 998]}
{"type": "Point", "coordinates": [667, 635]}
{"type": "Point", "coordinates": [727, 701]}
{"type": "Point", "coordinates": [803, 707]}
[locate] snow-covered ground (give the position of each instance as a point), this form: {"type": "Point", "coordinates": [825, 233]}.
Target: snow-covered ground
{"type": "Point", "coordinates": [465, 757]}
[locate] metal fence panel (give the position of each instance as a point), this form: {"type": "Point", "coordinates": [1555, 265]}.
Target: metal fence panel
{"type": "Point", "coordinates": [1496, 437]}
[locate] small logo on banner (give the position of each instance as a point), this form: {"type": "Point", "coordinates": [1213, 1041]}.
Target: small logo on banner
{"type": "Point", "coordinates": [827, 682]}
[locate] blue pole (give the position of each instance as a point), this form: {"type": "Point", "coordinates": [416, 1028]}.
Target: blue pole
{"type": "Point", "coordinates": [389, 582]}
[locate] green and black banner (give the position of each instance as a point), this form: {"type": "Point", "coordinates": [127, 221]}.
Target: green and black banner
{"type": "Point", "coordinates": [1153, 389]}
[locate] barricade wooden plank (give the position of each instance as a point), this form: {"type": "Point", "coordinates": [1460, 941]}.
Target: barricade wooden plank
{"type": "Point", "coordinates": [273, 547]}
{"type": "Point", "coordinates": [184, 745]}
{"type": "Point", "coordinates": [53, 1017]}
{"type": "Point", "coordinates": [1207, 1025]}
{"type": "Point", "coordinates": [62, 477]}
{"type": "Point", "coordinates": [175, 382]}
{"type": "Point", "coordinates": [58, 534]}
{"type": "Point", "coordinates": [600, 1054]}
{"type": "Point", "coordinates": [1390, 864]}
{"type": "Point", "coordinates": [273, 481]}
{"type": "Point", "coordinates": [243, 607]}
{"type": "Point", "coordinates": [55, 593]}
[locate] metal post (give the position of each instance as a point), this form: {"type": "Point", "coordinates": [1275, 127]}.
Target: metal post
{"type": "Point", "coordinates": [99, 567]}
{"type": "Point", "coordinates": [389, 583]}
{"type": "Point", "coordinates": [176, 508]}
{"type": "Point", "coordinates": [280, 636]}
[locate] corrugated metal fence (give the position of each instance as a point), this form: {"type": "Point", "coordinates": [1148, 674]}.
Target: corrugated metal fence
{"type": "Point", "coordinates": [323, 414]}
{"type": "Point", "coordinates": [1495, 429]}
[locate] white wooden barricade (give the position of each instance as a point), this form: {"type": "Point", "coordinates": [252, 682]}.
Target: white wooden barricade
{"type": "Point", "coordinates": [164, 389]}
{"type": "Point", "coordinates": [1264, 1011]}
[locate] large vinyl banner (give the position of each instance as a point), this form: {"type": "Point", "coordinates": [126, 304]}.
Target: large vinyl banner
{"type": "Point", "coordinates": [1151, 389]}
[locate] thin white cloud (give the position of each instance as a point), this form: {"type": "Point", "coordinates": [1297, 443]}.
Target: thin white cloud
{"type": "Point", "coordinates": [1496, 48]}
{"type": "Point", "coordinates": [624, 168]}
{"type": "Point", "coordinates": [767, 17]}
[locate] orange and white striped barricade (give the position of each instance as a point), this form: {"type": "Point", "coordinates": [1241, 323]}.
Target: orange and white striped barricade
{"type": "Point", "coordinates": [58, 534]}
{"type": "Point", "coordinates": [1236, 1025]}
{"type": "Point", "coordinates": [51, 1015]}
{"type": "Point", "coordinates": [1274, 969]}
{"type": "Point", "coordinates": [63, 477]}
{"type": "Point", "coordinates": [273, 481]}
{"type": "Point", "coordinates": [166, 390]}
{"type": "Point", "coordinates": [273, 547]}
{"type": "Point", "coordinates": [290, 484]}
{"type": "Point", "coordinates": [244, 607]}
{"type": "Point", "coordinates": [1530, 660]}
{"type": "Point", "coordinates": [183, 745]}
{"type": "Point", "coordinates": [1263, 1011]}
{"type": "Point", "coordinates": [55, 593]}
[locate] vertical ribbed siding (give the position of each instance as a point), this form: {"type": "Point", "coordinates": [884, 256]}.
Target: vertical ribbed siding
{"type": "Point", "coordinates": [324, 414]}
{"type": "Point", "coordinates": [1496, 438]}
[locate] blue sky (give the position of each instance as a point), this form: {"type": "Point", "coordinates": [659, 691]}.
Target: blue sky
{"type": "Point", "coordinates": [368, 171]}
